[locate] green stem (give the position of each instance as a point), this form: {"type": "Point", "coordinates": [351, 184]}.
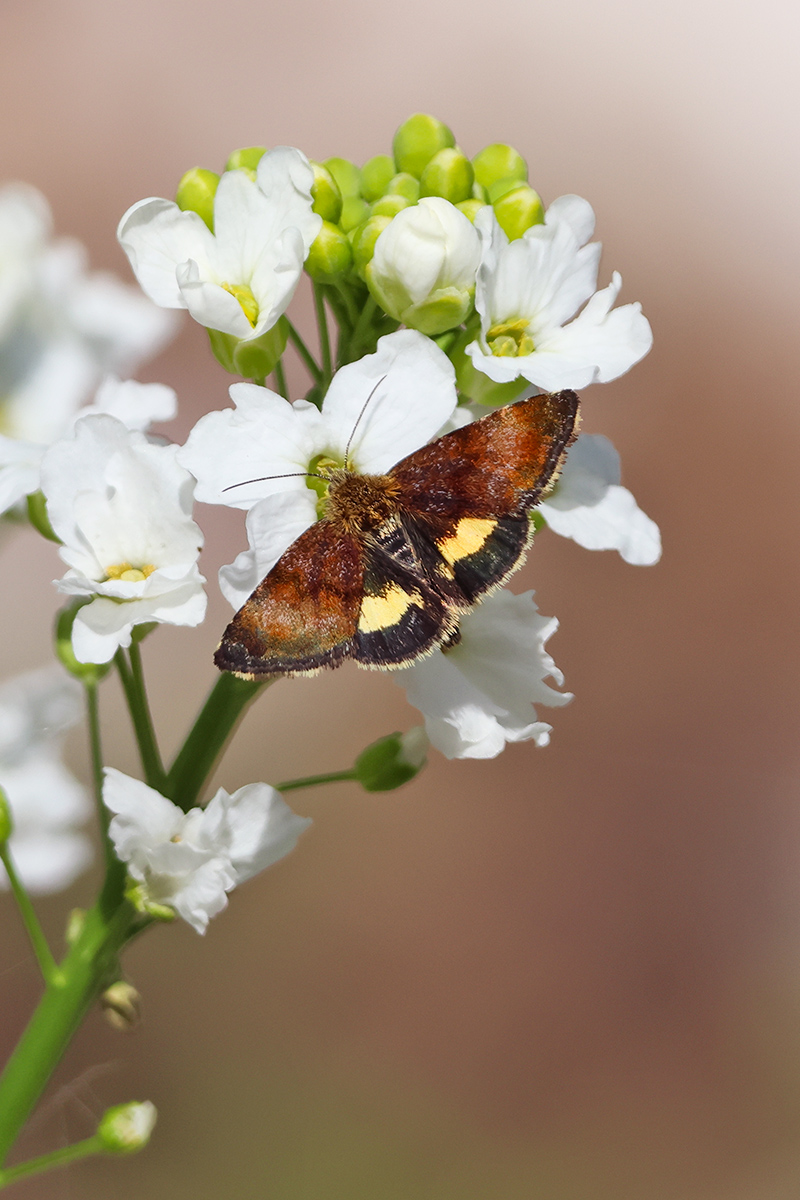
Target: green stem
{"type": "Point", "coordinates": [313, 366]}
{"type": "Point", "coordinates": [133, 684]}
{"type": "Point", "coordinates": [56, 1158]}
{"type": "Point", "coordinates": [47, 963]}
{"type": "Point", "coordinates": [81, 977]}
{"type": "Point", "coordinates": [324, 337]}
{"type": "Point", "coordinates": [292, 785]}
{"type": "Point", "coordinates": [220, 714]}
{"type": "Point", "coordinates": [104, 817]}
{"type": "Point", "coordinates": [280, 380]}
{"type": "Point", "coordinates": [363, 323]}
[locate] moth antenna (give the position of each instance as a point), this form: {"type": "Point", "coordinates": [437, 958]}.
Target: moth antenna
{"type": "Point", "coordinates": [264, 478]}
{"type": "Point", "coordinates": [358, 418]}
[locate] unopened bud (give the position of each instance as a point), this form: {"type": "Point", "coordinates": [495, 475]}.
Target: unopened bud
{"type": "Point", "coordinates": [449, 174]}
{"type": "Point", "coordinates": [499, 161]}
{"type": "Point", "coordinates": [392, 761]}
{"type": "Point", "coordinates": [417, 140]}
{"type": "Point", "coordinates": [519, 210]}
{"type": "Point", "coordinates": [470, 208]}
{"type": "Point", "coordinates": [6, 821]}
{"type": "Point", "coordinates": [89, 673]}
{"type": "Point", "coordinates": [389, 206]}
{"type": "Point", "coordinates": [405, 185]}
{"type": "Point", "coordinates": [39, 517]}
{"type": "Point", "coordinates": [330, 256]}
{"type": "Point", "coordinates": [246, 159]}
{"type": "Point", "coordinates": [375, 175]}
{"type": "Point", "coordinates": [325, 195]}
{"type": "Point", "coordinates": [127, 1127]}
{"type": "Point", "coordinates": [122, 1006]}
{"type": "Point", "coordinates": [364, 241]}
{"type": "Point", "coordinates": [354, 211]}
{"type": "Point", "coordinates": [346, 174]}
{"type": "Point", "coordinates": [196, 192]}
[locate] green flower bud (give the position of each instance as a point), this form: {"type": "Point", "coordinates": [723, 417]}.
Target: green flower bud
{"type": "Point", "coordinates": [330, 255]}
{"type": "Point", "coordinates": [417, 140]}
{"type": "Point", "coordinates": [470, 208]}
{"type": "Point", "coordinates": [122, 1006]}
{"type": "Point", "coordinates": [346, 174]}
{"type": "Point", "coordinates": [500, 186]}
{"type": "Point", "coordinates": [392, 761]}
{"type": "Point", "coordinates": [479, 192]}
{"type": "Point", "coordinates": [196, 192]}
{"type": "Point", "coordinates": [364, 241]}
{"type": "Point", "coordinates": [6, 821]}
{"type": "Point", "coordinates": [354, 211]}
{"type": "Point", "coordinates": [448, 174]}
{"type": "Point", "coordinates": [405, 185]}
{"type": "Point", "coordinates": [246, 159]}
{"type": "Point", "coordinates": [518, 210]}
{"type": "Point", "coordinates": [89, 673]}
{"type": "Point", "coordinates": [499, 162]}
{"type": "Point", "coordinates": [375, 176]}
{"type": "Point", "coordinates": [325, 195]}
{"type": "Point", "coordinates": [38, 517]}
{"type": "Point", "coordinates": [126, 1127]}
{"type": "Point", "coordinates": [389, 206]}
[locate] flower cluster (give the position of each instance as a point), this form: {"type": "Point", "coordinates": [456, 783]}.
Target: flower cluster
{"type": "Point", "coordinates": [453, 289]}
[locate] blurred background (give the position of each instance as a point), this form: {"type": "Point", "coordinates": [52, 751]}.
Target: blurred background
{"type": "Point", "coordinates": [570, 973]}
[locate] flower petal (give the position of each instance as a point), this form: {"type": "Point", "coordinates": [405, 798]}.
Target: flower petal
{"type": "Point", "coordinates": [157, 237]}
{"type": "Point", "coordinates": [272, 525]}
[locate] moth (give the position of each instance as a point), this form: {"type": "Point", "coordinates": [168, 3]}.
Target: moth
{"type": "Point", "coordinates": [384, 577]}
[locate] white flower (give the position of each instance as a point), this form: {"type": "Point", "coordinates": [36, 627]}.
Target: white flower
{"type": "Point", "coordinates": [137, 405]}
{"type": "Point", "coordinates": [588, 505]}
{"type": "Point", "coordinates": [412, 389]}
{"type": "Point", "coordinates": [61, 328]}
{"type": "Point", "coordinates": [529, 288]}
{"type": "Point", "coordinates": [122, 509]}
{"type": "Point", "coordinates": [477, 695]}
{"type": "Point", "coordinates": [189, 861]}
{"type": "Point", "coordinates": [240, 278]}
{"type": "Point", "coordinates": [423, 267]}
{"type": "Point", "coordinates": [47, 803]}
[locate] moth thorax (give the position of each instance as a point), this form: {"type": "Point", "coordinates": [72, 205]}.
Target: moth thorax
{"type": "Point", "coordinates": [361, 502]}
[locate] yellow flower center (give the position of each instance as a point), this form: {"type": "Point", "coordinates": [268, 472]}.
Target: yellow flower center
{"type": "Point", "coordinates": [246, 299]}
{"type": "Point", "coordinates": [510, 339]}
{"type": "Point", "coordinates": [128, 573]}
{"type": "Point", "coordinates": [322, 464]}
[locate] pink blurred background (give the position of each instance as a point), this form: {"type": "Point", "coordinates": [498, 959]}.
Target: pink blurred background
{"type": "Point", "coordinates": [571, 973]}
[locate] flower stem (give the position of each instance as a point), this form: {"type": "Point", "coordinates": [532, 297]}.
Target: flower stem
{"type": "Point", "coordinates": [44, 957]}
{"type": "Point", "coordinates": [313, 366]}
{"type": "Point", "coordinates": [280, 380]}
{"type": "Point", "coordinates": [133, 684]}
{"type": "Point", "coordinates": [93, 720]}
{"type": "Point", "coordinates": [292, 785]}
{"type": "Point", "coordinates": [324, 338]}
{"type": "Point", "coordinates": [81, 976]}
{"type": "Point", "coordinates": [216, 721]}
{"type": "Point", "coordinates": [56, 1158]}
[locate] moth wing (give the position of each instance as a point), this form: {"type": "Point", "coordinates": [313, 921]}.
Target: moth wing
{"type": "Point", "coordinates": [402, 616]}
{"type": "Point", "coordinates": [304, 614]}
{"type": "Point", "coordinates": [498, 466]}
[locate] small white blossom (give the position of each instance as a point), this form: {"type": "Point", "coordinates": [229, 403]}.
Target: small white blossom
{"type": "Point", "coordinates": [477, 695]}
{"type": "Point", "coordinates": [414, 395]}
{"type": "Point", "coordinates": [424, 264]}
{"type": "Point", "coordinates": [61, 328]}
{"type": "Point", "coordinates": [137, 405]}
{"type": "Point", "coordinates": [588, 505]}
{"type": "Point", "coordinates": [122, 509]}
{"type": "Point", "coordinates": [240, 278]}
{"type": "Point", "coordinates": [529, 288]}
{"type": "Point", "coordinates": [190, 861]}
{"type": "Point", "coordinates": [47, 803]}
